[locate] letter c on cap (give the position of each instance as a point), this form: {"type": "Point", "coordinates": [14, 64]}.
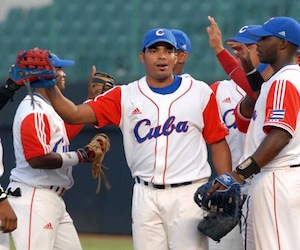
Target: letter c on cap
{"type": "Point", "coordinates": [160, 32]}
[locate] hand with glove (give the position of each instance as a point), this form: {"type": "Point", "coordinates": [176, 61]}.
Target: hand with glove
{"type": "Point", "coordinates": [99, 83]}
{"type": "Point", "coordinates": [32, 66]}
{"type": "Point", "coordinates": [223, 207]}
{"type": "Point", "coordinates": [94, 152]}
{"type": "Point", "coordinates": [222, 199]}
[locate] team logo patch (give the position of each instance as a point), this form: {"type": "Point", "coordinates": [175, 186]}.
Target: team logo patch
{"type": "Point", "coordinates": [276, 114]}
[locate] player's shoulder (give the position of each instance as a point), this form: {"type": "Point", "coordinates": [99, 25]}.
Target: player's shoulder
{"type": "Point", "coordinates": [188, 77]}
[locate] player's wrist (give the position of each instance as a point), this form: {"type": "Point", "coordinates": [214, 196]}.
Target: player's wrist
{"type": "Point", "coordinates": [255, 79]}
{"type": "Point", "coordinates": [238, 177]}
{"type": "Point", "coordinates": [3, 195]}
{"type": "Point", "coordinates": [69, 159]}
{"type": "Point", "coordinates": [247, 168]}
{"type": "Point", "coordinates": [85, 154]}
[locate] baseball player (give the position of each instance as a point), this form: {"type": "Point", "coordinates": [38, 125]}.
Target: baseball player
{"type": "Point", "coordinates": [183, 49]}
{"type": "Point", "coordinates": [272, 152]}
{"type": "Point", "coordinates": [165, 136]}
{"type": "Point", "coordinates": [8, 218]}
{"type": "Point", "coordinates": [229, 94]}
{"type": "Point", "coordinates": [43, 171]}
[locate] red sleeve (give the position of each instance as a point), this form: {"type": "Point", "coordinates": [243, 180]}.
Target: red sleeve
{"type": "Point", "coordinates": [233, 69]}
{"type": "Point", "coordinates": [73, 130]}
{"type": "Point", "coordinates": [107, 107]}
{"type": "Point", "coordinates": [35, 135]}
{"type": "Point", "coordinates": [242, 122]}
{"type": "Point", "coordinates": [283, 104]}
{"type": "Point", "coordinates": [214, 129]}
{"type": "Point", "coordinates": [214, 86]}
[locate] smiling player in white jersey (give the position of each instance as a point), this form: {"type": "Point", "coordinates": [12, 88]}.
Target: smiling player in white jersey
{"type": "Point", "coordinates": [43, 170]}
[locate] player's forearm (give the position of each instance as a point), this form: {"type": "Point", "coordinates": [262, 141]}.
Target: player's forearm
{"type": "Point", "coordinates": [7, 92]}
{"type": "Point", "coordinates": [221, 157]}
{"type": "Point", "coordinates": [274, 142]}
{"type": "Point", "coordinates": [51, 160]}
{"type": "Point", "coordinates": [63, 106]}
{"type": "Point", "coordinates": [233, 69]}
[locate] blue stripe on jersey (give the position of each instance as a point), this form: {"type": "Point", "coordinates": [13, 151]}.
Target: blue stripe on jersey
{"type": "Point", "coordinates": [169, 89]}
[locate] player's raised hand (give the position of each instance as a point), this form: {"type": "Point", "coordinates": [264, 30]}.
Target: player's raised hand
{"type": "Point", "coordinates": [91, 94]}
{"type": "Point", "coordinates": [214, 35]}
{"type": "Point", "coordinates": [242, 54]}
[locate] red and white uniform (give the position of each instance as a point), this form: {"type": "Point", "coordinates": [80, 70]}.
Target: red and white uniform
{"type": "Point", "coordinates": [43, 222]}
{"type": "Point", "coordinates": [274, 193]}
{"type": "Point", "coordinates": [165, 138]}
{"type": "Point", "coordinates": [228, 95]}
{"type": "Point", "coordinates": [4, 238]}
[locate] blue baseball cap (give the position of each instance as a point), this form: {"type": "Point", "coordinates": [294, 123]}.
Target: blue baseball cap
{"type": "Point", "coordinates": [158, 35]}
{"type": "Point", "coordinates": [60, 63]}
{"type": "Point", "coordinates": [182, 40]}
{"type": "Point", "coordinates": [286, 28]}
{"type": "Point", "coordinates": [244, 36]}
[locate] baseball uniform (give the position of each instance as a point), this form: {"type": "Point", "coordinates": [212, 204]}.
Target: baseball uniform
{"type": "Point", "coordinates": [228, 95]}
{"type": "Point", "coordinates": [272, 208]}
{"type": "Point", "coordinates": [165, 131]}
{"type": "Point", "coordinates": [36, 194]}
{"type": "Point", "coordinates": [4, 238]}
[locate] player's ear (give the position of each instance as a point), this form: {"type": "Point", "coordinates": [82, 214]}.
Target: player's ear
{"type": "Point", "coordinates": [182, 56]}
{"type": "Point", "coordinates": [142, 57]}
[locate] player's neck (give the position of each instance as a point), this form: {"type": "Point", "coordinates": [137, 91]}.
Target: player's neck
{"type": "Point", "coordinates": [41, 92]}
{"type": "Point", "coordinates": [159, 83]}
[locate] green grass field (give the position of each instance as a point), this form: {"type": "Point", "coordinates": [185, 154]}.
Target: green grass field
{"type": "Point", "coordinates": [104, 242]}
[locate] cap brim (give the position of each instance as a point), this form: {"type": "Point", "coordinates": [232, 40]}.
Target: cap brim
{"type": "Point", "coordinates": [241, 40]}
{"type": "Point", "coordinates": [60, 63]}
{"type": "Point", "coordinates": [64, 63]}
{"type": "Point", "coordinates": [158, 41]}
{"type": "Point", "coordinates": [260, 32]}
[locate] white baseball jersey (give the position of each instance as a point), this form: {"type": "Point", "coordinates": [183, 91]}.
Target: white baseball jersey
{"type": "Point", "coordinates": [277, 107]}
{"type": "Point", "coordinates": [273, 203]}
{"type": "Point", "coordinates": [45, 222]}
{"type": "Point", "coordinates": [165, 132]}
{"type": "Point", "coordinates": [38, 131]}
{"type": "Point", "coordinates": [159, 131]}
{"type": "Point", "coordinates": [228, 95]}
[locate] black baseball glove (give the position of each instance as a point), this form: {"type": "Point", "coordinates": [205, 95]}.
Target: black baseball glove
{"type": "Point", "coordinates": [101, 82]}
{"type": "Point", "coordinates": [223, 207]}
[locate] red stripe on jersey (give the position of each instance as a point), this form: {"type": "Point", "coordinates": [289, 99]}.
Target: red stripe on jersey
{"type": "Point", "coordinates": [35, 135]}
{"type": "Point", "coordinates": [73, 130]}
{"type": "Point", "coordinates": [283, 96]}
{"type": "Point", "coordinates": [215, 86]}
{"type": "Point", "coordinates": [107, 108]}
{"type": "Point", "coordinates": [242, 122]}
{"type": "Point", "coordinates": [214, 130]}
